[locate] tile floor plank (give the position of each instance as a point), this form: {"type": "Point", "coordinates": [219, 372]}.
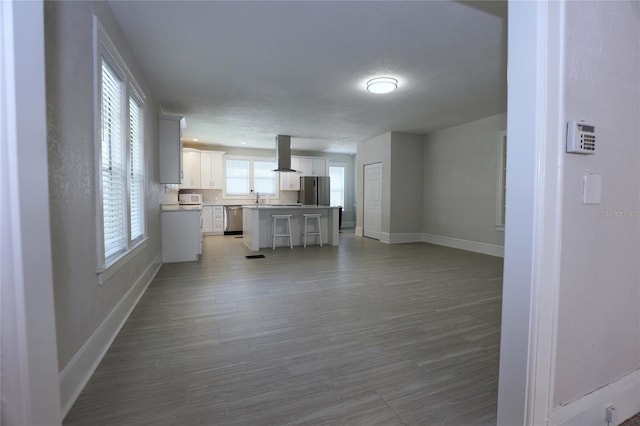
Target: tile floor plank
{"type": "Point", "coordinates": [361, 334]}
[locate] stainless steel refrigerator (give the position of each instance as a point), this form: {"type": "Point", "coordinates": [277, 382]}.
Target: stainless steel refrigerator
{"type": "Point", "coordinates": [315, 190]}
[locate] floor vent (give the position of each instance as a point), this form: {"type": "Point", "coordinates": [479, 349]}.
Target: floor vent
{"type": "Point", "coordinates": [255, 256]}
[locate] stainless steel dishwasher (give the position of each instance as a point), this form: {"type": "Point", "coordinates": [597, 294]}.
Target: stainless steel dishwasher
{"type": "Point", "coordinates": [232, 220]}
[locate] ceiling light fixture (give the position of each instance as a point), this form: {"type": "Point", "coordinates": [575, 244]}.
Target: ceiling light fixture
{"type": "Point", "coordinates": [380, 85]}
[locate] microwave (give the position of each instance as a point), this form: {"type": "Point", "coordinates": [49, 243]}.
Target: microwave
{"type": "Point", "coordinates": [190, 198]}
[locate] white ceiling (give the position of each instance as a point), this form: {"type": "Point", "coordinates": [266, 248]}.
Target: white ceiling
{"type": "Point", "coordinates": [243, 72]}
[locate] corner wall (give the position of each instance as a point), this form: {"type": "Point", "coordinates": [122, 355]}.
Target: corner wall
{"type": "Point", "coordinates": [88, 314]}
{"type": "Point", "coordinates": [406, 194]}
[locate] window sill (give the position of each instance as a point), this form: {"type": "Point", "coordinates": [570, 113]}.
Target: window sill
{"type": "Point", "coordinates": [116, 264]}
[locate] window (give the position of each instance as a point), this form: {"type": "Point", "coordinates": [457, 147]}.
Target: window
{"type": "Point", "coordinates": [120, 150]}
{"type": "Point", "coordinates": [264, 178]}
{"type": "Point", "coordinates": [136, 168]}
{"type": "Point", "coordinates": [501, 204]}
{"type": "Point", "coordinates": [244, 176]}
{"type": "Point", "coordinates": [336, 175]}
{"type": "Point", "coordinates": [238, 177]}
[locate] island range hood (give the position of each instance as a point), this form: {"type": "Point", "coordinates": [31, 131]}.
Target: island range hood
{"type": "Point", "coordinates": [283, 153]}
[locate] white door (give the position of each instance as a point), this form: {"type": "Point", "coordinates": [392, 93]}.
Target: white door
{"type": "Point", "coordinates": [372, 200]}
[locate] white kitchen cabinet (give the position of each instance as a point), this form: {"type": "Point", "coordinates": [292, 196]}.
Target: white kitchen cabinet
{"type": "Point", "coordinates": [295, 164]}
{"type": "Point", "coordinates": [290, 181]}
{"type": "Point", "coordinates": [207, 219]}
{"type": "Point", "coordinates": [319, 167]}
{"type": "Point", "coordinates": [213, 220]}
{"type": "Point", "coordinates": [181, 235]}
{"type": "Point", "coordinates": [218, 220]}
{"type": "Point", "coordinates": [191, 168]}
{"type": "Point", "coordinates": [211, 167]}
{"type": "Point", "coordinates": [170, 147]}
{"type": "Point", "coordinates": [310, 166]}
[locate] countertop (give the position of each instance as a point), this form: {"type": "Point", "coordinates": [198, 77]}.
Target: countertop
{"type": "Point", "coordinates": [285, 206]}
{"type": "Point", "coordinates": [180, 207]}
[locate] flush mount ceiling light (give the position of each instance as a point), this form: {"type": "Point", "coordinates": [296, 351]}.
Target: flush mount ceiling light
{"type": "Point", "coordinates": [381, 85]}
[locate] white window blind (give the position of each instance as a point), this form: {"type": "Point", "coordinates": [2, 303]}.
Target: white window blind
{"type": "Point", "coordinates": [119, 139]}
{"type": "Point", "coordinates": [136, 169]}
{"type": "Point", "coordinates": [264, 178]}
{"type": "Point", "coordinates": [237, 176]}
{"type": "Point", "coordinates": [113, 162]}
{"type": "Point", "coordinates": [336, 176]}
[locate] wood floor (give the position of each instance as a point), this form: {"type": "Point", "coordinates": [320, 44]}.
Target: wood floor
{"type": "Point", "coordinates": [361, 334]}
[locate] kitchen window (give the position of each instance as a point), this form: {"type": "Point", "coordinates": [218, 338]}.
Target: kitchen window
{"type": "Point", "coordinates": [245, 176]}
{"type": "Point", "coordinates": [336, 175]}
{"type": "Point", "coordinates": [120, 156]}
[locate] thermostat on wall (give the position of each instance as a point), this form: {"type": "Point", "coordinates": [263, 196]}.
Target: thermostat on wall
{"type": "Point", "coordinates": [581, 138]}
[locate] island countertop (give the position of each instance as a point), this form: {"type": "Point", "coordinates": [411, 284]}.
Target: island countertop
{"type": "Point", "coordinates": [286, 206]}
{"type": "Point", "coordinates": [258, 222]}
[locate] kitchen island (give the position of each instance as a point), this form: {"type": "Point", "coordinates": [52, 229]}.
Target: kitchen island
{"type": "Point", "coordinates": [181, 230]}
{"type": "Point", "coordinates": [257, 225]}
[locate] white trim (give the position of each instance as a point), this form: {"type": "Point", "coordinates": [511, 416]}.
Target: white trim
{"type": "Point", "coordinates": [119, 262]}
{"type": "Point", "coordinates": [623, 394]}
{"type": "Point", "coordinates": [29, 360]}
{"type": "Point", "coordinates": [350, 224]}
{"type": "Point", "coordinates": [75, 375]}
{"type": "Point", "coordinates": [484, 248]}
{"type": "Point", "coordinates": [502, 146]}
{"type": "Point", "coordinates": [401, 237]}
{"type": "Point", "coordinates": [358, 231]}
{"type": "Point", "coordinates": [534, 190]}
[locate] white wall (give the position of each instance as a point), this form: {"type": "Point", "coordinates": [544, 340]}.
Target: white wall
{"type": "Point", "coordinates": [598, 338]}
{"type": "Point", "coordinates": [460, 176]}
{"type": "Point", "coordinates": [82, 305]}
{"type": "Point", "coordinates": [570, 336]}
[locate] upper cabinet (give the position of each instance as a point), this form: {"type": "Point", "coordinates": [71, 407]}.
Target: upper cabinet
{"type": "Point", "coordinates": [211, 169]}
{"type": "Point", "coordinates": [191, 176]}
{"type": "Point", "coordinates": [310, 166]}
{"type": "Point", "coordinates": [289, 181]}
{"type": "Point", "coordinates": [170, 147]}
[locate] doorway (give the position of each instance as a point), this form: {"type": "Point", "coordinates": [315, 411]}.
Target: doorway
{"type": "Point", "coordinates": [372, 200]}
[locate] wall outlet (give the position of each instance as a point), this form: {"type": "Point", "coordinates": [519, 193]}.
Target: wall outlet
{"type": "Point", "coordinates": [609, 413]}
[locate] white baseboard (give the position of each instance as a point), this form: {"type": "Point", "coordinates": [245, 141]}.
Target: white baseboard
{"type": "Point", "coordinates": [490, 249]}
{"type": "Point", "coordinates": [398, 238]}
{"type": "Point", "coordinates": [75, 375]}
{"type": "Point", "coordinates": [359, 231]}
{"type": "Point", "coordinates": [623, 394]}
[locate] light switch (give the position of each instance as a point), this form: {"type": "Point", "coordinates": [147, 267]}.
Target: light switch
{"type": "Point", "coordinates": [592, 189]}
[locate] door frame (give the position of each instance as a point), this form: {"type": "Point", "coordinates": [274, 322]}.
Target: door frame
{"type": "Point", "coordinates": [29, 376]}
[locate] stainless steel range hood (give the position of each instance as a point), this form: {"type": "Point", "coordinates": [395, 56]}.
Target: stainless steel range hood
{"type": "Point", "coordinates": [283, 153]}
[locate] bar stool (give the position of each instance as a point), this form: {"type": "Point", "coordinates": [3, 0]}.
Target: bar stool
{"type": "Point", "coordinates": [283, 217]}
{"type": "Point", "coordinates": [312, 217]}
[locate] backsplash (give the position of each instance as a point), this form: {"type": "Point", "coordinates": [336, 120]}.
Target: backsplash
{"type": "Point", "coordinates": [215, 196]}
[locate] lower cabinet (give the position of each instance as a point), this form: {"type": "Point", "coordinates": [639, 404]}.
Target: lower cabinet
{"type": "Point", "coordinates": [212, 217]}
{"type": "Point", "coordinates": [181, 236]}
